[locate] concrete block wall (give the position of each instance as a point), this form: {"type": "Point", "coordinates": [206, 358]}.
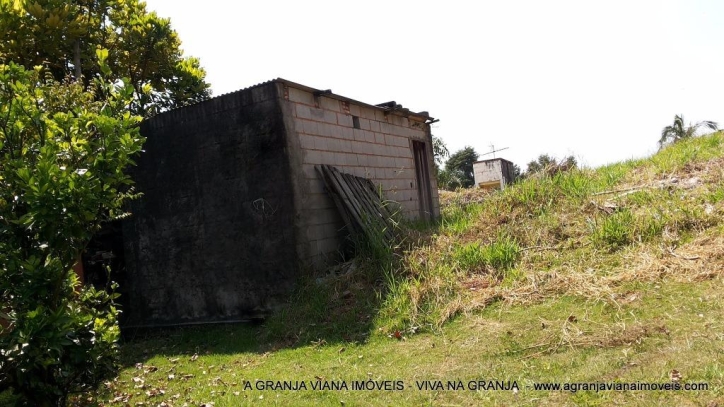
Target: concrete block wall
{"type": "Point", "coordinates": [488, 171]}
{"type": "Point", "coordinates": [379, 149]}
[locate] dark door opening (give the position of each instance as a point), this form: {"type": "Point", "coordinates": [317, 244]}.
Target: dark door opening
{"type": "Point", "coordinates": [422, 175]}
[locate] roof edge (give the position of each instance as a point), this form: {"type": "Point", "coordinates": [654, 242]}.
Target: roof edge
{"type": "Point", "coordinates": [397, 109]}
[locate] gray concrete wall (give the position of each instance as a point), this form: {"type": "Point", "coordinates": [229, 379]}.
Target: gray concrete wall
{"type": "Point", "coordinates": [488, 171]}
{"type": "Point", "coordinates": [212, 238]}
{"type": "Point", "coordinates": [493, 170]}
{"type": "Point", "coordinates": [380, 149]}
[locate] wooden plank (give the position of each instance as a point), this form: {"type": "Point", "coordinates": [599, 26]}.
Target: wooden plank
{"type": "Point", "coordinates": [337, 201]}
{"type": "Point", "coordinates": [367, 196]}
{"type": "Point", "coordinates": [359, 203]}
{"type": "Point", "coordinates": [372, 213]}
{"type": "Point", "coordinates": [348, 199]}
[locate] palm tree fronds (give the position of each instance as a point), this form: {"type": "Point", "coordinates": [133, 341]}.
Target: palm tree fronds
{"type": "Point", "coordinates": [679, 131]}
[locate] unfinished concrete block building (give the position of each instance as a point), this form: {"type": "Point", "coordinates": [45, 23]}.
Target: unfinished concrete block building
{"type": "Point", "coordinates": [233, 209]}
{"type": "Point", "coordinates": [494, 173]}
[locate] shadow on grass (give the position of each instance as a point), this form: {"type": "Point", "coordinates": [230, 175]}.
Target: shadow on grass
{"type": "Point", "coordinates": [338, 307]}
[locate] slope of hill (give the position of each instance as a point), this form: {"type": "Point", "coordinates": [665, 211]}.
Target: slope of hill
{"type": "Point", "coordinates": [611, 275]}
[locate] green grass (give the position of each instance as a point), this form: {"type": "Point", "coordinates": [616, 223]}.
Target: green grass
{"type": "Point", "coordinates": [660, 329]}
{"type": "Point", "coordinates": [500, 255]}
{"type": "Point", "coordinates": [593, 275]}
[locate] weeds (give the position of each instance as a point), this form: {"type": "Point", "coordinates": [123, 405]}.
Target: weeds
{"type": "Point", "coordinates": [602, 260]}
{"type": "Point", "coordinates": [501, 255]}
{"type": "Point", "coordinates": [581, 232]}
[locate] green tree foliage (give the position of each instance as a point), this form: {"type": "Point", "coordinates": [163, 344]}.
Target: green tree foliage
{"type": "Point", "coordinates": [449, 180]}
{"type": "Point", "coordinates": [459, 168]}
{"type": "Point", "coordinates": [679, 130]}
{"type": "Point", "coordinates": [63, 151]}
{"type": "Point", "coordinates": [64, 35]}
{"type": "Point", "coordinates": [548, 164]}
{"type": "Point", "coordinates": [439, 150]}
{"type": "Point", "coordinates": [543, 161]}
{"type": "Point", "coordinates": [517, 173]}
{"type": "Point", "coordinates": [439, 153]}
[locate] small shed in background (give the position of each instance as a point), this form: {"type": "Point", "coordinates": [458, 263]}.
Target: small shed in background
{"type": "Point", "coordinates": [494, 173]}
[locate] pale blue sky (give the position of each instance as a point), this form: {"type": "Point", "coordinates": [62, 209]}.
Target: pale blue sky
{"type": "Point", "coordinates": [595, 79]}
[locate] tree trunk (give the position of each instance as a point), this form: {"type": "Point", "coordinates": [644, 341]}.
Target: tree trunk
{"type": "Point", "coordinates": [76, 59]}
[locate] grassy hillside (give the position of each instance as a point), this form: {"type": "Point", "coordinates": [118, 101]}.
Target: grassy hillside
{"type": "Point", "coordinates": [608, 275]}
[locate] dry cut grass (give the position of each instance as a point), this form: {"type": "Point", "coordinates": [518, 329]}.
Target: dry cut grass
{"type": "Point", "coordinates": [584, 233]}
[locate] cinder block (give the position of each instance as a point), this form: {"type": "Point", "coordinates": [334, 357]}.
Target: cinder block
{"type": "Point", "coordinates": [344, 120]}
{"type": "Point", "coordinates": [362, 159]}
{"type": "Point", "coordinates": [375, 126]}
{"type": "Point", "coordinates": [326, 130]}
{"type": "Point", "coordinates": [350, 159]}
{"type": "Point", "coordinates": [330, 117]}
{"type": "Point", "coordinates": [364, 124]}
{"type": "Point", "coordinates": [338, 159]}
{"type": "Point", "coordinates": [318, 114]}
{"type": "Point", "coordinates": [369, 136]}
{"type": "Point", "coordinates": [379, 138]}
{"type": "Point", "coordinates": [358, 134]}
{"type": "Point", "coordinates": [359, 171]}
{"type": "Point", "coordinates": [367, 113]}
{"type": "Point", "coordinates": [387, 162]}
{"type": "Point", "coordinates": [306, 141]}
{"type": "Point", "coordinates": [321, 143]}
{"type": "Point", "coordinates": [346, 133]}
{"type": "Point", "coordinates": [380, 150]}
{"type": "Point", "coordinates": [362, 147]}
{"type": "Point", "coordinates": [312, 157]}
{"type": "Point", "coordinates": [386, 128]}
{"type": "Point", "coordinates": [298, 125]}
{"type": "Point", "coordinates": [417, 134]}
{"type": "Point", "coordinates": [300, 96]}
{"type": "Point", "coordinates": [303, 112]}
{"type": "Point", "coordinates": [310, 127]}
{"type": "Point", "coordinates": [332, 144]}
{"type": "Point", "coordinates": [380, 116]}
{"type": "Point", "coordinates": [329, 104]}
{"type": "Point", "coordinates": [403, 162]}
{"type": "Point", "coordinates": [404, 152]}
{"type": "Point", "coordinates": [400, 131]}
{"type": "Point", "coordinates": [345, 146]}
{"type": "Point", "coordinates": [354, 110]}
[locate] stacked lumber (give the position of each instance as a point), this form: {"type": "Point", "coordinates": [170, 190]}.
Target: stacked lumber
{"type": "Point", "coordinates": [360, 205]}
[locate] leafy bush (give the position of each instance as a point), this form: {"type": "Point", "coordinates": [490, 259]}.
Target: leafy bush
{"type": "Point", "coordinates": [62, 154]}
